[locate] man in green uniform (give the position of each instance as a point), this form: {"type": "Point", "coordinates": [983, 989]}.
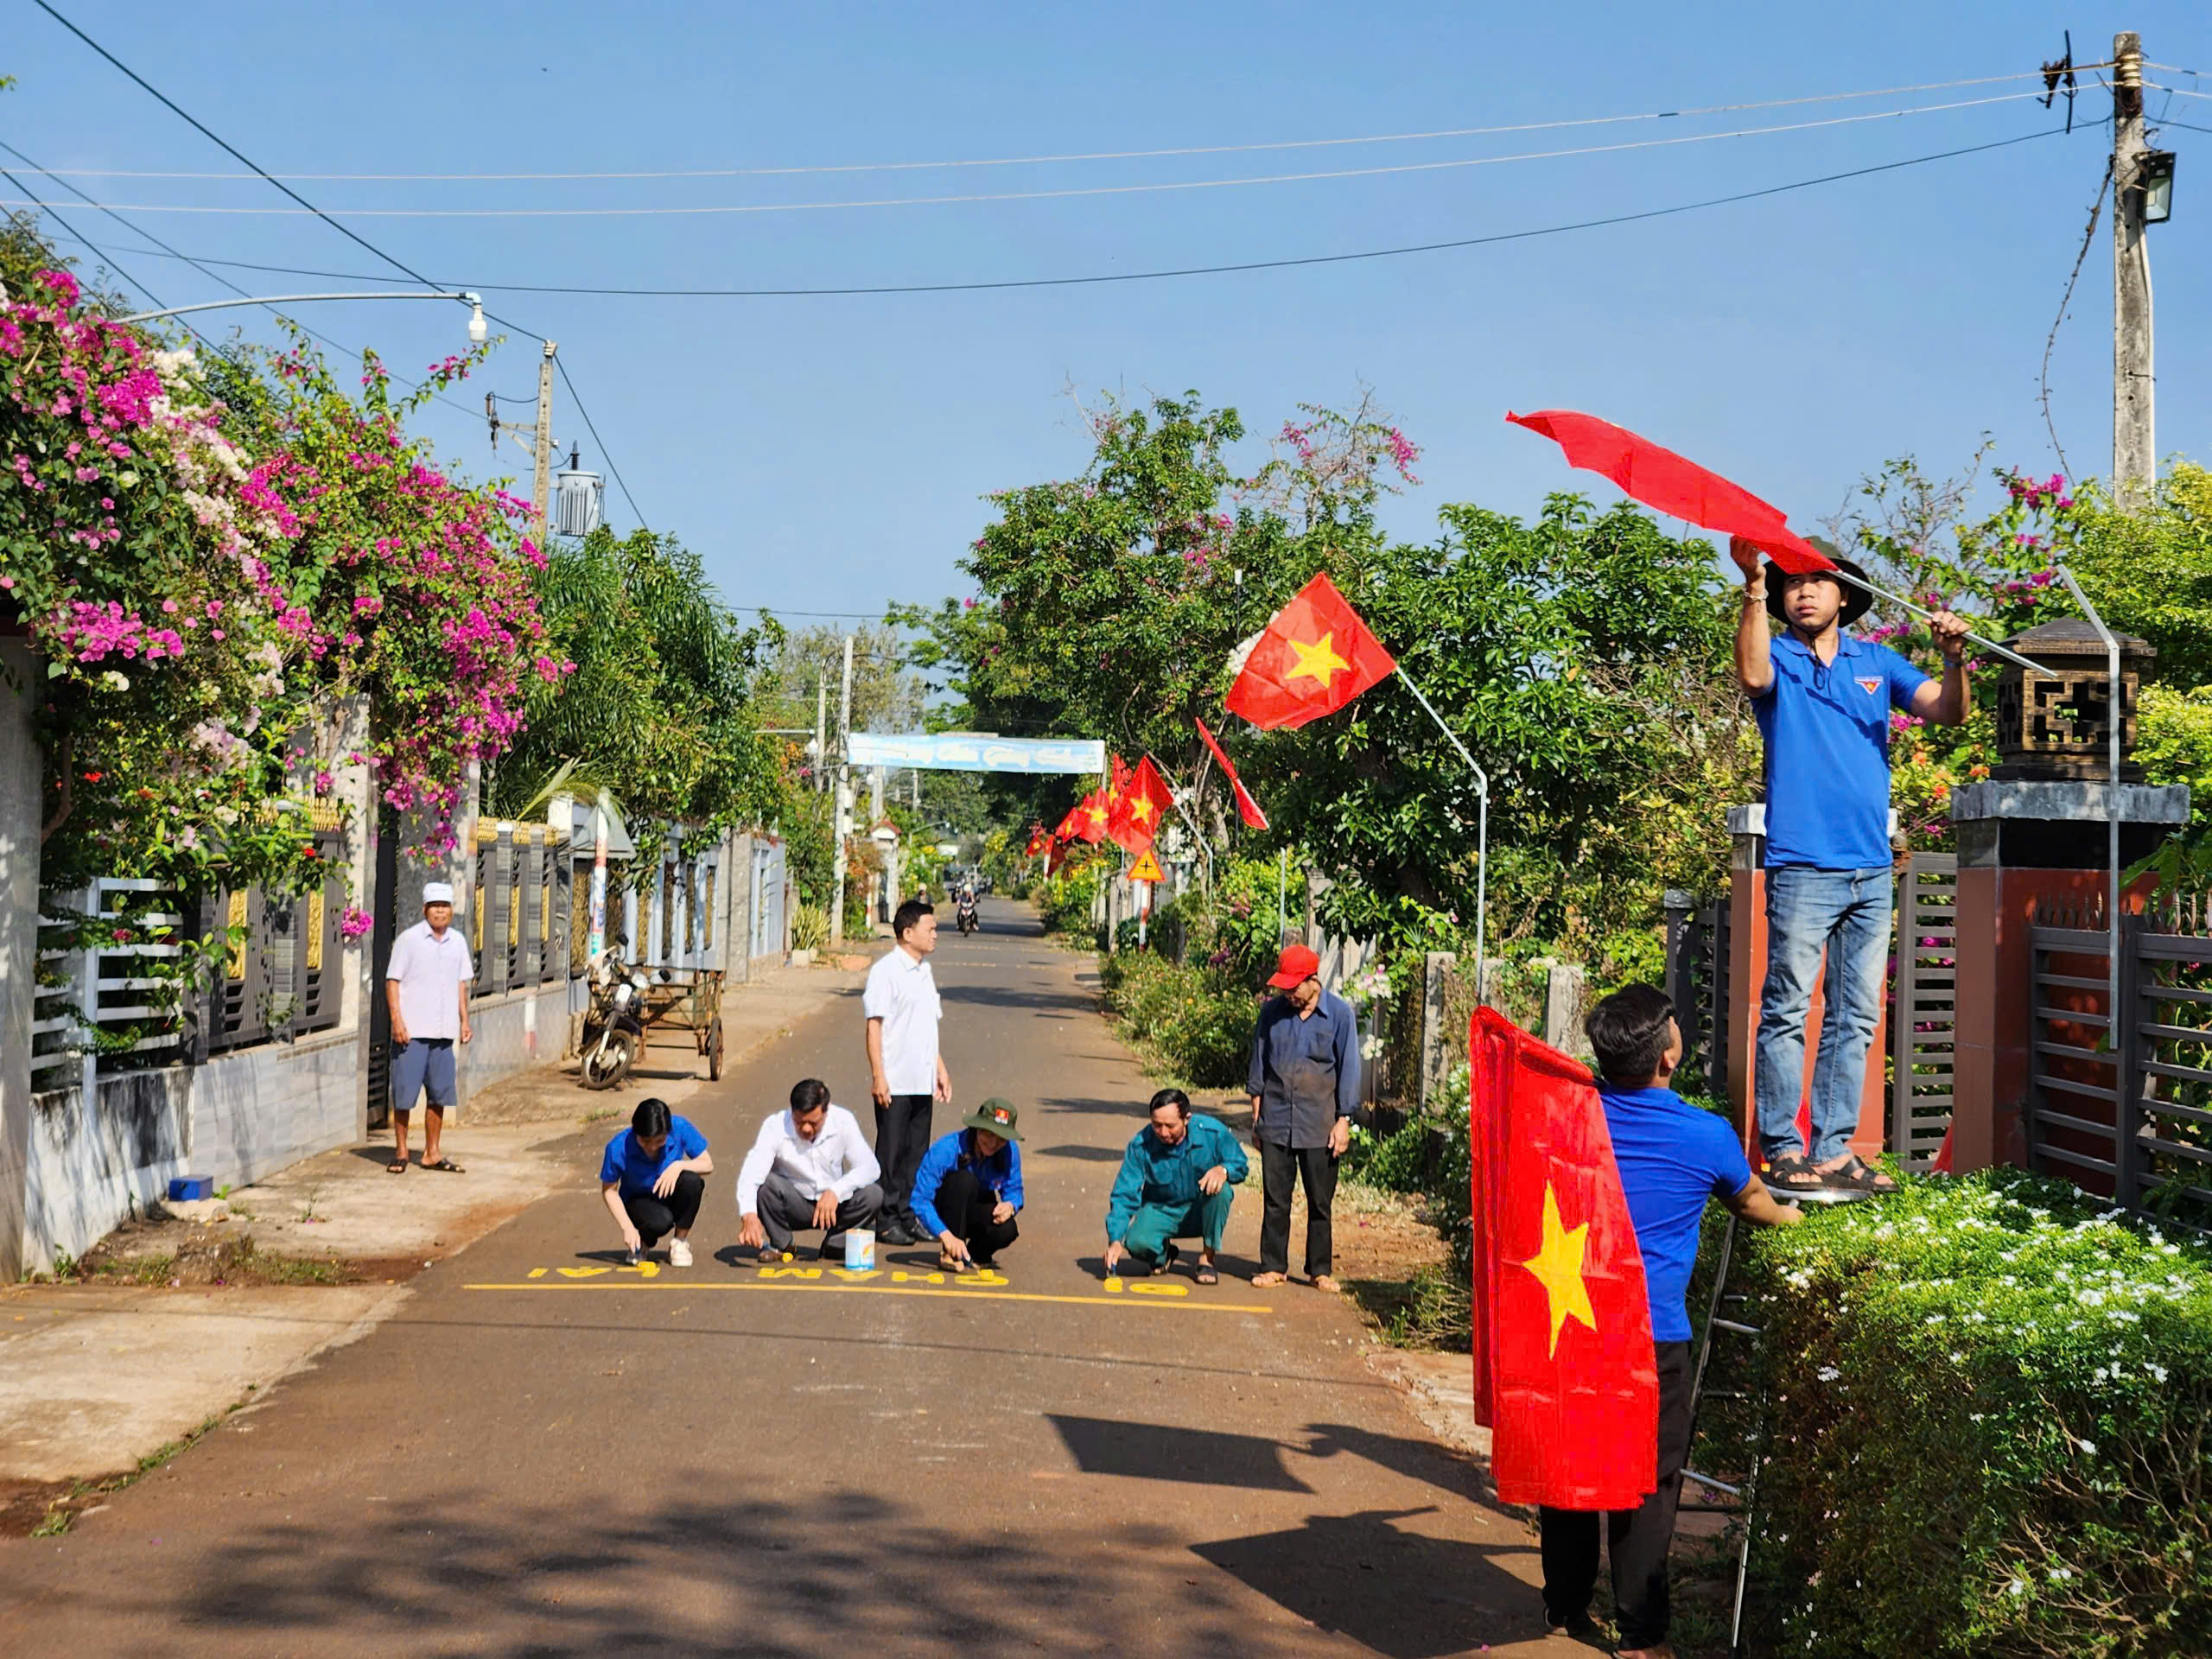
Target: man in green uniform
{"type": "Point", "coordinates": [1177, 1180]}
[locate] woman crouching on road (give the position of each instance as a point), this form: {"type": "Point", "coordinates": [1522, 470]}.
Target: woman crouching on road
{"type": "Point", "coordinates": [651, 1180]}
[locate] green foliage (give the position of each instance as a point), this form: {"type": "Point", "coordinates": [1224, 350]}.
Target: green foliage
{"type": "Point", "coordinates": [1430, 1159]}
{"type": "Point", "coordinates": [1989, 1410]}
{"type": "Point", "coordinates": [1064, 901]}
{"type": "Point", "coordinates": [809, 927]}
{"type": "Point", "coordinates": [1194, 1023]}
{"type": "Point", "coordinates": [2175, 745]}
{"type": "Point", "coordinates": [2150, 571]}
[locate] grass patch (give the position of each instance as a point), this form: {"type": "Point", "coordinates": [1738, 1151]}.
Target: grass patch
{"type": "Point", "coordinates": [1432, 1310]}
{"type": "Point", "coordinates": [63, 1512]}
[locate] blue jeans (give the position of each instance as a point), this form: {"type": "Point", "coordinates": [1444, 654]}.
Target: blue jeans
{"type": "Point", "coordinates": [1845, 912]}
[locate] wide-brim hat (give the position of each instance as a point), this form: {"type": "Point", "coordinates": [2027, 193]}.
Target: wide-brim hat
{"type": "Point", "coordinates": [1856, 599]}
{"type": "Point", "coordinates": [995, 1117]}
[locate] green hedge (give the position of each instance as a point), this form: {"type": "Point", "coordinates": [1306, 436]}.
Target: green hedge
{"type": "Point", "coordinates": [1990, 1427]}
{"type": "Point", "coordinates": [1428, 1158]}
{"type": "Point", "coordinates": [1194, 1021]}
{"type": "Point", "coordinates": [1064, 902]}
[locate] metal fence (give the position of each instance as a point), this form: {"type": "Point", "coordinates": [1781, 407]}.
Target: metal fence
{"type": "Point", "coordinates": [2125, 1114]}
{"type": "Point", "coordinates": [1698, 942]}
{"type": "Point", "coordinates": [522, 912]}
{"type": "Point", "coordinates": [96, 1005]}
{"type": "Point", "coordinates": [1924, 1014]}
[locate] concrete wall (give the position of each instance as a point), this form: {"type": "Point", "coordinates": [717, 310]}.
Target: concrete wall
{"type": "Point", "coordinates": [19, 671]}
{"type": "Point", "coordinates": [511, 1033]}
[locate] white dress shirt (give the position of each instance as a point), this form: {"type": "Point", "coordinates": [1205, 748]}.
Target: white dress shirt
{"type": "Point", "coordinates": [430, 970]}
{"type": "Point", "coordinates": [836, 1161]}
{"type": "Point", "coordinates": [903, 995]}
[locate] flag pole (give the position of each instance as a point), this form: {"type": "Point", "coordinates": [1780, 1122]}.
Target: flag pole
{"type": "Point", "coordinates": [1481, 828]}
{"type": "Point", "coordinates": [1990, 646]}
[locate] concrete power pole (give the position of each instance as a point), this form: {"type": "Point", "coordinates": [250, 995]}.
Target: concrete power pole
{"type": "Point", "coordinates": [821, 731]}
{"type": "Point", "coordinates": [541, 490]}
{"type": "Point", "coordinates": [841, 818]}
{"type": "Point", "coordinates": [2134, 389]}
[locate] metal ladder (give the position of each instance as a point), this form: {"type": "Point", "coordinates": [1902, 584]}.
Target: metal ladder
{"type": "Point", "coordinates": [1745, 1497]}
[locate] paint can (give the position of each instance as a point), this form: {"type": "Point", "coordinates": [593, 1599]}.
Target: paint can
{"type": "Point", "coordinates": [860, 1250]}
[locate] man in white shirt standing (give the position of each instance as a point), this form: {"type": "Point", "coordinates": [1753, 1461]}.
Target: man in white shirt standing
{"type": "Point", "coordinates": [426, 986]}
{"type": "Point", "coordinates": [809, 1169]}
{"type": "Point", "coordinates": [907, 1073]}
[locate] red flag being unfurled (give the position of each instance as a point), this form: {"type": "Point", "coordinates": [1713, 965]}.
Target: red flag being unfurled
{"type": "Point", "coordinates": [1313, 657]}
{"type": "Point", "coordinates": [1674, 485]}
{"type": "Point", "coordinates": [1140, 807]}
{"type": "Point", "coordinates": [1565, 1376]}
{"type": "Point", "coordinates": [1247, 808]}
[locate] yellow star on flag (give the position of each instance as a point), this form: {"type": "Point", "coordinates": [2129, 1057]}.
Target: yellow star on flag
{"type": "Point", "coordinates": [1558, 1268]}
{"type": "Point", "coordinates": [1142, 809]}
{"type": "Point", "coordinates": [1317, 661]}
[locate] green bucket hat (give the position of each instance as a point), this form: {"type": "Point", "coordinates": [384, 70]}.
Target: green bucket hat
{"type": "Point", "coordinates": [1857, 601]}
{"type": "Point", "coordinates": [995, 1117]}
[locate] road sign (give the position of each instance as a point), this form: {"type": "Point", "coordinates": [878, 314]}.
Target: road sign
{"type": "Point", "coordinates": [1148, 868]}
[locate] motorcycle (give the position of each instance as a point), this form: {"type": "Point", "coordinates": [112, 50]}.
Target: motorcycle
{"type": "Point", "coordinates": [965, 916]}
{"type": "Point", "coordinates": [614, 1030]}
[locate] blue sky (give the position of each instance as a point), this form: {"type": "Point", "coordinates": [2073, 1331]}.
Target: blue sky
{"type": "Point", "coordinates": [829, 454]}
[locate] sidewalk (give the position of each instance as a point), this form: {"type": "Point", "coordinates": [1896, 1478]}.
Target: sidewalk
{"type": "Point", "coordinates": [161, 1336]}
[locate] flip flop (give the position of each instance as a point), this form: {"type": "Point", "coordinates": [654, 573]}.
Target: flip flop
{"type": "Point", "coordinates": [447, 1167]}
{"type": "Point", "coordinates": [1323, 1281]}
{"type": "Point", "coordinates": [1207, 1275]}
{"type": "Point", "coordinates": [1262, 1280]}
{"type": "Point", "coordinates": [397, 1167]}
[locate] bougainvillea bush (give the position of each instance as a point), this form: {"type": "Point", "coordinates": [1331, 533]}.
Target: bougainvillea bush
{"type": "Point", "coordinates": [1989, 1426]}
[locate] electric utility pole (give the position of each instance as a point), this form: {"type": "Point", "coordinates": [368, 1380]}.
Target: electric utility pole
{"type": "Point", "coordinates": [841, 815]}
{"type": "Point", "coordinates": [2134, 388]}
{"type": "Point", "coordinates": [821, 730]}
{"type": "Point", "coordinates": [540, 444]}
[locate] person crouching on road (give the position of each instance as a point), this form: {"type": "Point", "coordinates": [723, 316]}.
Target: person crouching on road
{"type": "Point", "coordinates": [652, 1180]}
{"type": "Point", "coordinates": [1178, 1180]}
{"type": "Point", "coordinates": [1822, 699]}
{"type": "Point", "coordinates": [809, 1169]}
{"type": "Point", "coordinates": [1304, 1087]}
{"type": "Point", "coordinates": [969, 1188]}
{"type": "Point", "coordinates": [1672, 1158]}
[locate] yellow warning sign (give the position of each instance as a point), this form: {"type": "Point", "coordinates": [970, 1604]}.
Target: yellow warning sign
{"type": "Point", "coordinates": [1148, 868]}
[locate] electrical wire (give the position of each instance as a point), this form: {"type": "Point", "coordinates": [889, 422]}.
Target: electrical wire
{"type": "Point", "coordinates": [1073, 156]}
{"type": "Point", "coordinates": [1155, 187]}
{"type": "Point", "coordinates": [2178, 91]}
{"type": "Point", "coordinates": [592, 427]}
{"type": "Point", "coordinates": [105, 257]}
{"type": "Point", "coordinates": [1197, 270]}
{"type": "Point", "coordinates": [390, 259]}
{"type": "Point", "coordinates": [2186, 126]}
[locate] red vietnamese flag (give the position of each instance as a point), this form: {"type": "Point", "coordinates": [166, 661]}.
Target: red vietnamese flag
{"type": "Point", "coordinates": [1039, 840]}
{"type": "Point", "coordinates": [1247, 808]}
{"type": "Point", "coordinates": [1141, 808]}
{"type": "Point", "coordinates": [1315, 656]}
{"type": "Point", "coordinates": [1564, 1374]}
{"type": "Point", "coordinates": [1070, 827]}
{"type": "Point", "coordinates": [1092, 829]}
{"type": "Point", "coordinates": [1674, 485]}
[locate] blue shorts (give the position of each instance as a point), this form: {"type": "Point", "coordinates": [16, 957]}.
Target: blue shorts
{"type": "Point", "coordinates": [424, 1064]}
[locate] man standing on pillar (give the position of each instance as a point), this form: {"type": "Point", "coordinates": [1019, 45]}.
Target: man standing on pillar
{"type": "Point", "coordinates": [1823, 699]}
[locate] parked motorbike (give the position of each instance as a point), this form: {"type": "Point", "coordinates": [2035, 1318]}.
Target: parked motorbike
{"type": "Point", "coordinates": [614, 1030]}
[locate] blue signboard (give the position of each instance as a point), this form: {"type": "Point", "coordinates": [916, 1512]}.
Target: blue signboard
{"type": "Point", "coordinates": [974, 752]}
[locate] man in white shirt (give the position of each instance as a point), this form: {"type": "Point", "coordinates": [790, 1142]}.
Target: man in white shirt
{"type": "Point", "coordinates": [907, 1073]}
{"type": "Point", "coordinates": [809, 1169]}
{"type": "Point", "coordinates": [426, 986]}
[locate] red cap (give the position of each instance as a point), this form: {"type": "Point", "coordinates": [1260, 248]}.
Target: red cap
{"type": "Point", "coordinates": [1298, 965]}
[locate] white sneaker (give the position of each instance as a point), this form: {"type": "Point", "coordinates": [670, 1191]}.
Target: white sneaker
{"type": "Point", "coordinates": [679, 1253]}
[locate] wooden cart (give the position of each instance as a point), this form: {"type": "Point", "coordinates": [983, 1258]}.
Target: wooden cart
{"type": "Point", "coordinates": [688, 999]}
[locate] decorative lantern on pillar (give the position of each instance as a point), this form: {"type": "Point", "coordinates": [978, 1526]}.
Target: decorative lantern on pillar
{"type": "Point", "coordinates": [2056, 727]}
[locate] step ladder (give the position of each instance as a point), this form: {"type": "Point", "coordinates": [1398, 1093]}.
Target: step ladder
{"type": "Point", "coordinates": [1725, 1315]}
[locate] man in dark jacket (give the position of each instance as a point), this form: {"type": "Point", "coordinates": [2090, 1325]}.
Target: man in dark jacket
{"type": "Point", "coordinates": [1179, 1178]}
{"type": "Point", "coordinates": [1304, 1087]}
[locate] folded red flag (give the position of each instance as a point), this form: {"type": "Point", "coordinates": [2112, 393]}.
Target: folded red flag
{"type": "Point", "coordinates": [1247, 808]}
{"type": "Point", "coordinates": [1141, 808]}
{"type": "Point", "coordinates": [1313, 658]}
{"type": "Point", "coordinates": [1565, 1373]}
{"type": "Point", "coordinates": [1674, 485]}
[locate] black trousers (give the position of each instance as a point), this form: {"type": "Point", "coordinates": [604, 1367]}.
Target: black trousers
{"type": "Point", "coordinates": [785, 1210]}
{"type": "Point", "coordinates": [902, 1138]}
{"type": "Point", "coordinates": [654, 1216]}
{"type": "Point", "coordinates": [1636, 1539]}
{"type": "Point", "coordinates": [1281, 1168]}
{"type": "Point", "coordinates": [966, 1205]}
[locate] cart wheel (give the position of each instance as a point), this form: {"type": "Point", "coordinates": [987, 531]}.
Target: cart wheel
{"type": "Point", "coordinates": [603, 1069]}
{"type": "Point", "coordinates": [715, 1050]}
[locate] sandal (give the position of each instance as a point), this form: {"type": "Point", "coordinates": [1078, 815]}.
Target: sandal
{"type": "Point", "coordinates": [1263, 1280]}
{"type": "Point", "coordinates": [1854, 1176]}
{"type": "Point", "coordinates": [1793, 1172]}
{"type": "Point", "coordinates": [1206, 1273]}
{"type": "Point", "coordinates": [447, 1167]}
{"type": "Point", "coordinates": [1322, 1282]}
{"type": "Point", "coordinates": [397, 1167]}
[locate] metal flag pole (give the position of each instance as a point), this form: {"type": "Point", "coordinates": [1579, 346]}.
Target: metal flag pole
{"type": "Point", "coordinates": [2114, 1030]}
{"type": "Point", "coordinates": [1482, 826]}
{"type": "Point", "coordinates": [1990, 646]}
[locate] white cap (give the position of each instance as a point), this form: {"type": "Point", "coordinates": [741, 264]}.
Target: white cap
{"type": "Point", "coordinates": [437, 892]}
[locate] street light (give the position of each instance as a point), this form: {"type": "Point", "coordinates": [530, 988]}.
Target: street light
{"type": "Point", "coordinates": [2154, 171]}
{"type": "Point", "coordinates": [476, 329]}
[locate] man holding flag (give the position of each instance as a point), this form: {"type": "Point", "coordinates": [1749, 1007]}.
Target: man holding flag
{"type": "Point", "coordinates": [1670, 1157]}
{"type": "Point", "coordinates": [1822, 698]}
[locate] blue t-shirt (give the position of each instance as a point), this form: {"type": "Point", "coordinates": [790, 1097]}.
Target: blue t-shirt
{"type": "Point", "coordinates": [626, 1161]}
{"type": "Point", "coordinates": [1826, 731]}
{"type": "Point", "coordinates": [1672, 1158]}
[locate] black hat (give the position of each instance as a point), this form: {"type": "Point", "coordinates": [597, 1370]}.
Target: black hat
{"type": "Point", "coordinates": [1856, 599]}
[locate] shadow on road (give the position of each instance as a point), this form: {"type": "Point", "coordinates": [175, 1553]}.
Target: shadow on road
{"type": "Point", "coordinates": [999, 996]}
{"type": "Point", "coordinates": [1154, 1452]}
{"type": "Point", "coordinates": [1081, 1154]}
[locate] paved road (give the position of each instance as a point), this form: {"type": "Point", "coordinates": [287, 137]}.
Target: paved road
{"type": "Point", "coordinates": [542, 1453]}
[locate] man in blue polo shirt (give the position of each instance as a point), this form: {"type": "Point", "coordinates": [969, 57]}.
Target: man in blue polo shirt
{"type": "Point", "coordinates": [1672, 1157]}
{"type": "Point", "coordinates": [1823, 700]}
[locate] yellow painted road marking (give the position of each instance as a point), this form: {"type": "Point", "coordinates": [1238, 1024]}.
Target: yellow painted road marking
{"type": "Point", "coordinates": [946, 1293]}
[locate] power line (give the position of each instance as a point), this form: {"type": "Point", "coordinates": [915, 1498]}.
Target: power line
{"type": "Point", "coordinates": [606, 453]}
{"type": "Point", "coordinates": [1291, 263]}
{"type": "Point", "coordinates": [727, 209]}
{"type": "Point", "coordinates": [2187, 126]}
{"type": "Point", "coordinates": [1074, 157]}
